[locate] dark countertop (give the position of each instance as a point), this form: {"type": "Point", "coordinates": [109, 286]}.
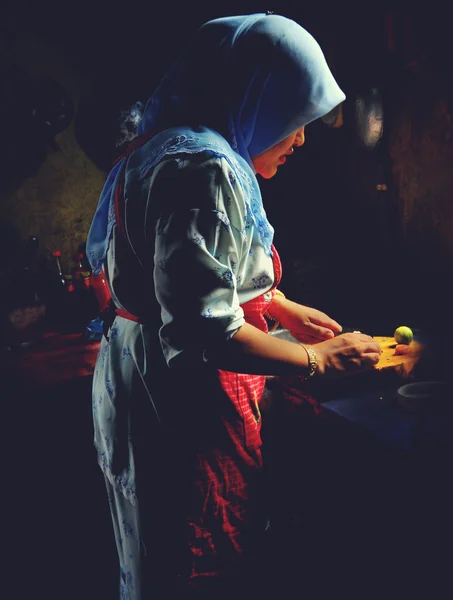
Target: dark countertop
{"type": "Point", "coordinates": [379, 413]}
{"type": "Point", "coordinates": [361, 498]}
{"type": "Point", "coordinates": [369, 402]}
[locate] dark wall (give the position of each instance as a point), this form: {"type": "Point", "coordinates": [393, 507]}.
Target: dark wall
{"type": "Point", "coordinates": [364, 232]}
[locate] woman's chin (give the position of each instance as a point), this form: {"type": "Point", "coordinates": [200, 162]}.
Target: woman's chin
{"type": "Point", "coordinates": [268, 173]}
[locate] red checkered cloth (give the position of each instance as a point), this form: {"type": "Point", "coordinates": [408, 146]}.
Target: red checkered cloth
{"type": "Point", "coordinates": [296, 395]}
{"type": "Point", "coordinates": [244, 390]}
{"type": "Point", "coordinates": [227, 504]}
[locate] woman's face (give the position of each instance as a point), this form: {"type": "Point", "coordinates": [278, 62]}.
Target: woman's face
{"type": "Point", "coordinates": [267, 163]}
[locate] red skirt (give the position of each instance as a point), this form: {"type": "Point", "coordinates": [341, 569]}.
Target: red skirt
{"type": "Point", "coordinates": [228, 509]}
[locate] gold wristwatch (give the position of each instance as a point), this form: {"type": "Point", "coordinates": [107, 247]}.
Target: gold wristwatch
{"type": "Point", "coordinates": [312, 361]}
{"type": "Point", "coordinates": [268, 316]}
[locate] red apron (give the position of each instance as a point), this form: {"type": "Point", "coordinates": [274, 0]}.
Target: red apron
{"type": "Point", "coordinates": [227, 522]}
{"type": "Point", "coordinates": [245, 390]}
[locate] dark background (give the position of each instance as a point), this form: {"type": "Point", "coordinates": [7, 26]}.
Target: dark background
{"type": "Point", "coordinates": [371, 259]}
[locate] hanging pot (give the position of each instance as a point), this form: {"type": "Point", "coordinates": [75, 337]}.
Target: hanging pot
{"type": "Point", "coordinates": [368, 117]}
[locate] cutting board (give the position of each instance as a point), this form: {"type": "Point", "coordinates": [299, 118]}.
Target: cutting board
{"type": "Point", "coordinates": [401, 364]}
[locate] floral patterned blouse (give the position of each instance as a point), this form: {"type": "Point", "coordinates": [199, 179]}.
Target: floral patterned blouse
{"type": "Point", "coordinates": [193, 241]}
{"type": "Point", "coordinates": [208, 257]}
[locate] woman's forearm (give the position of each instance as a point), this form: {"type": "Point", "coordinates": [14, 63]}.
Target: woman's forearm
{"type": "Point", "coordinates": [278, 307]}
{"type": "Point", "coordinates": [253, 351]}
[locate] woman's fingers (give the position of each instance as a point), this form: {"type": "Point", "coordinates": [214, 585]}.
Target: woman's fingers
{"type": "Point", "coordinates": [308, 339]}
{"type": "Point", "coordinates": [326, 324]}
{"type": "Point", "coordinates": [372, 357]}
{"type": "Point", "coordinates": [366, 358]}
{"type": "Point", "coordinates": [369, 343]}
{"type": "Point", "coordinates": [349, 353]}
{"type": "Point", "coordinates": [336, 327]}
{"type": "Point", "coordinates": [314, 333]}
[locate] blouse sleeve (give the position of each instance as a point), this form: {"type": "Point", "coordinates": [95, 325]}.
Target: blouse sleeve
{"type": "Point", "coordinates": [199, 241]}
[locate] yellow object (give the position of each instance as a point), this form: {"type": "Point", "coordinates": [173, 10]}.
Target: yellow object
{"type": "Point", "coordinates": [400, 364]}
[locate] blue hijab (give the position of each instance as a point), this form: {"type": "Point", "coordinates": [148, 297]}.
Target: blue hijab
{"type": "Point", "coordinates": [251, 81]}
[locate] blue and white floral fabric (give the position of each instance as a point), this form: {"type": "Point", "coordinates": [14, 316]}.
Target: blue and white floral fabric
{"type": "Point", "coordinates": [208, 260]}
{"type": "Point", "coordinates": [212, 239]}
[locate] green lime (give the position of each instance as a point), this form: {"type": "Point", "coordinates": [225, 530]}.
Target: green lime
{"type": "Point", "coordinates": [403, 335]}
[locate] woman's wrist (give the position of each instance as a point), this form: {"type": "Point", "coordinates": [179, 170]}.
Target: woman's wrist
{"type": "Point", "coordinates": [274, 308]}
{"type": "Point", "coordinates": [251, 350]}
{"type": "Point", "coordinates": [312, 361]}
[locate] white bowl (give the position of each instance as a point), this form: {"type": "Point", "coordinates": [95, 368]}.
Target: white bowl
{"type": "Point", "coordinates": [417, 396]}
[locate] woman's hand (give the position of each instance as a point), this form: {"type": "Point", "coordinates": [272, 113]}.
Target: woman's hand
{"type": "Point", "coordinates": [346, 354]}
{"type": "Point", "coordinates": [308, 325]}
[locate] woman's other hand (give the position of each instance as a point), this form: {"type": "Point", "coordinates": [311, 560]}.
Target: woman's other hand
{"type": "Point", "coordinates": [346, 354]}
{"type": "Point", "coordinates": [307, 325]}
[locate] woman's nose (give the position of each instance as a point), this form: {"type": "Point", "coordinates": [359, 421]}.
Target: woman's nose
{"type": "Point", "coordinates": [300, 137]}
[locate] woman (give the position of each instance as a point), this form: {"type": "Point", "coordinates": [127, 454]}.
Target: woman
{"type": "Point", "coordinates": [183, 236]}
